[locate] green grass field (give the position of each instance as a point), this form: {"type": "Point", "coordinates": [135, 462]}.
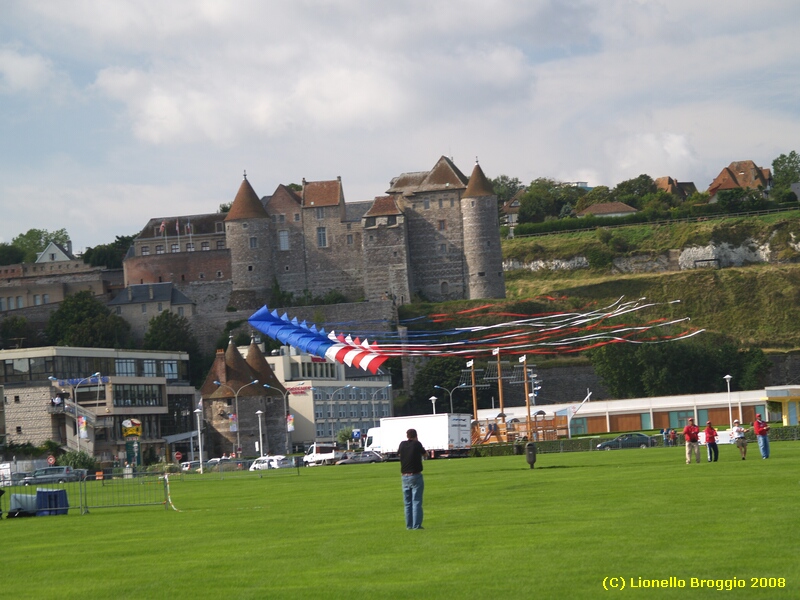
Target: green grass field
{"type": "Point", "coordinates": [493, 529]}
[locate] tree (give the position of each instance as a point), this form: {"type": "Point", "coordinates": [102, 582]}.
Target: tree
{"type": "Point", "coordinates": [17, 332]}
{"type": "Point", "coordinates": [445, 372]}
{"type": "Point", "coordinates": [225, 207]}
{"type": "Point", "coordinates": [785, 171]}
{"type": "Point", "coordinates": [169, 331]}
{"type": "Point", "coordinates": [10, 255]}
{"type": "Point", "coordinates": [694, 366]}
{"type": "Point", "coordinates": [84, 321]}
{"type": "Point", "coordinates": [109, 255]}
{"type": "Point", "coordinates": [78, 460]}
{"type": "Point", "coordinates": [505, 187]}
{"type": "Point", "coordinates": [597, 195]}
{"type": "Point", "coordinates": [35, 241]}
{"type": "Point", "coordinates": [546, 198]}
{"type": "Point", "coordinates": [344, 435]}
{"type": "Point", "coordinates": [632, 191]}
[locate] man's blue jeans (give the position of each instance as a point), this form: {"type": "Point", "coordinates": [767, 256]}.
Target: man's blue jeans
{"type": "Point", "coordinates": [763, 445]}
{"type": "Point", "coordinates": [413, 486]}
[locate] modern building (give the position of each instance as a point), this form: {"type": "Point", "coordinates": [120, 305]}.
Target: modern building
{"type": "Point", "coordinates": [606, 416]}
{"type": "Point", "coordinates": [789, 398]}
{"type": "Point", "coordinates": [324, 397]}
{"type": "Point", "coordinates": [88, 399]}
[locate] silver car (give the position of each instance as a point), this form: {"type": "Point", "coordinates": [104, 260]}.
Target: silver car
{"type": "Point", "coordinates": [52, 475]}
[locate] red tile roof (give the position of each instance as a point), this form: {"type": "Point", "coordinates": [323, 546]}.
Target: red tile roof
{"type": "Point", "coordinates": [322, 193]}
{"type": "Point", "coordinates": [478, 185]}
{"type": "Point", "coordinates": [383, 206]}
{"type": "Point", "coordinates": [246, 204]}
{"type": "Point", "coordinates": [607, 208]}
{"type": "Point", "coordinates": [741, 174]}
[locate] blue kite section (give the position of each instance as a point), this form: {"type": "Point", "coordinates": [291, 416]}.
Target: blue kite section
{"type": "Point", "coordinates": [290, 332]}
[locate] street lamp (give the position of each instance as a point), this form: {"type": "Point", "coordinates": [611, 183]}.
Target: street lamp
{"type": "Point", "coordinates": [285, 393]}
{"type": "Point", "coordinates": [236, 402]}
{"type": "Point", "coordinates": [433, 400]}
{"type": "Point", "coordinates": [375, 393]}
{"type": "Point", "coordinates": [260, 413]}
{"type": "Point", "coordinates": [199, 412]}
{"type": "Point", "coordinates": [727, 379]}
{"type": "Point", "coordinates": [450, 392]}
{"type": "Point", "coordinates": [344, 387]}
{"type": "Point", "coordinates": [74, 392]}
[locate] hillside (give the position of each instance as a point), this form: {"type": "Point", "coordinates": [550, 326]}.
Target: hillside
{"type": "Point", "coordinates": [757, 304]}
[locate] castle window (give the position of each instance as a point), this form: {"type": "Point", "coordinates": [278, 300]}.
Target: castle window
{"type": "Point", "coordinates": [175, 248]}
{"type": "Point", "coordinates": [320, 212]}
{"type": "Point", "coordinates": [442, 224]}
{"type": "Point", "coordinates": [445, 288]}
{"type": "Point", "coordinates": [296, 217]}
{"type": "Point", "coordinates": [254, 242]}
{"type": "Point", "coordinates": [426, 204]}
{"type": "Point", "coordinates": [37, 300]}
{"type": "Point", "coordinates": [349, 239]}
{"type": "Point", "coordinates": [441, 203]}
{"type": "Point", "coordinates": [219, 227]}
{"type": "Point", "coordinates": [190, 247]}
{"type": "Point", "coordinates": [283, 239]}
{"type": "Point", "coordinates": [286, 268]}
{"type": "Point", "coordinates": [220, 244]}
{"type": "Point", "coordinates": [452, 202]}
{"type": "Point", "coordinates": [119, 310]}
{"type": "Point", "coordinates": [19, 430]}
{"type": "Point", "coordinates": [219, 274]}
{"type": "Point", "coordinates": [205, 246]}
{"type": "Point", "coordinates": [180, 311]}
{"type": "Point", "coordinates": [245, 225]}
{"type": "Point", "coordinates": [369, 222]}
{"type": "Point", "coordinates": [201, 276]}
{"type": "Point", "coordinates": [481, 274]}
{"type": "Point", "coordinates": [45, 298]}
{"type": "Point", "coordinates": [391, 220]}
{"type": "Point", "coordinates": [145, 250]}
{"type": "Point", "coordinates": [249, 267]}
{"type": "Point", "coordinates": [281, 219]}
{"type": "Point", "coordinates": [322, 237]}
{"type": "Point", "coordinates": [160, 249]}
{"type": "Point", "coordinates": [144, 309]}
{"type": "Point", "coordinates": [160, 307]}
{"type": "Point", "coordinates": [442, 248]}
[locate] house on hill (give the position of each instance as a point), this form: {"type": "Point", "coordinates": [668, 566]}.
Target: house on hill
{"type": "Point", "coordinates": [679, 189]}
{"type": "Point", "coordinates": [741, 174]}
{"type": "Point", "coordinates": [608, 209]}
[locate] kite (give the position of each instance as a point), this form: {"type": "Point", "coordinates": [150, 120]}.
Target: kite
{"type": "Point", "coordinates": [513, 333]}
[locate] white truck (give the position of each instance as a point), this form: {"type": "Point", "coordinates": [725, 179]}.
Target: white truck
{"type": "Point", "coordinates": [444, 434]}
{"type": "Point", "coordinates": [321, 454]}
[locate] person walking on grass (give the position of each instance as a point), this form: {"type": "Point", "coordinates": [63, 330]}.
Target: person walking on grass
{"type": "Point", "coordinates": [737, 433]}
{"type": "Point", "coordinates": [711, 442]}
{"type": "Point", "coordinates": [411, 453]}
{"type": "Point", "coordinates": [761, 429]}
{"type": "Point", "coordinates": [691, 433]}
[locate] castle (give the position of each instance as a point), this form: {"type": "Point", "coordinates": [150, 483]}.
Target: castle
{"type": "Point", "coordinates": [434, 235]}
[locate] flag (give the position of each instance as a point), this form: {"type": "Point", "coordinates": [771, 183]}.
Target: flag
{"type": "Point", "coordinates": [163, 225]}
{"type": "Point", "coordinates": [177, 227]}
{"type": "Point", "coordinates": [289, 422]}
{"type": "Point", "coordinates": [522, 358]}
{"type": "Point", "coordinates": [495, 351]}
{"type": "Point", "coordinates": [188, 229]}
{"type": "Point", "coordinates": [470, 363]}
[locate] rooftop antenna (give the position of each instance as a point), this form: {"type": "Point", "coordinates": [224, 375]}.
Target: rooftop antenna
{"type": "Point", "coordinates": [245, 174]}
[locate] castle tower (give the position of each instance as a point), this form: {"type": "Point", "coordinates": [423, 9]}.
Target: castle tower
{"type": "Point", "coordinates": [247, 237]}
{"type": "Point", "coordinates": [482, 252]}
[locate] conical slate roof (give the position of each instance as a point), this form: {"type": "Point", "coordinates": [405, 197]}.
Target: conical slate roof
{"type": "Point", "coordinates": [235, 374]}
{"type": "Point", "coordinates": [246, 205]}
{"type": "Point", "coordinates": [478, 185]}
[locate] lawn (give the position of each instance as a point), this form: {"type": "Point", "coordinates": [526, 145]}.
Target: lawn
{"type": "Point", "coordinates": [493, 528]}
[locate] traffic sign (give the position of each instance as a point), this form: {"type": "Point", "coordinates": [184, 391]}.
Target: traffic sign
{"type": "Point", "coordinates": [178, 456]}
{"type": "Point", "coordinates": [51, 460]}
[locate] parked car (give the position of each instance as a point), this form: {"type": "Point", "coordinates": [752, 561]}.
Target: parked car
{"type": "Point", "coordinates": [628, 440]}
{"type": "Point", "coordinates": [279, 461]}
{"type": "Point", "coordinates": [356, 458]}
{"type": "Point", "coordinates": [15, 479]}
{"type": "Point", "coordinates": [52, 475]}
{"type": "Point", "coordinates": [190, 465]}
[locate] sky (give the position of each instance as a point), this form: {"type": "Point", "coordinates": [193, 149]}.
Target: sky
{"type": "Point", "coordinates": [112, 113]}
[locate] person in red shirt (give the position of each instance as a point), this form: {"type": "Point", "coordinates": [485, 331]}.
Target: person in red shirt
{"type": "Point", "coordinates": [691, 433]}
{"type": "Point", "coordinates": [711, 442]}
{"type": "Point", "coordinates": [761, 429]}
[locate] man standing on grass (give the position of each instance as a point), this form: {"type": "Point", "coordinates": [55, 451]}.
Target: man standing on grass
{"type": "Point", "coordinates": [711, 442]}
{"type": "Point", "coordinates": [691, 433]}
{"type": "Point", "coordinates": [761, 429]}
{"type": "Point", "coordinates": [411, 453]}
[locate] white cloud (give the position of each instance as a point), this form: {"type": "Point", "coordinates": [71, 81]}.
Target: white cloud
{"type": "Point", "coordinates": [23, 72]}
